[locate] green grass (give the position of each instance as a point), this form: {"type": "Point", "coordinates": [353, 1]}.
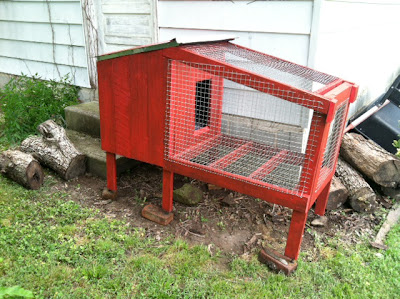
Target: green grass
{"type": "Point", "coordinates": [55, 248]}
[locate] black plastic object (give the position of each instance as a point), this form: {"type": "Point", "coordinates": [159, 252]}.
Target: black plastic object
{"type": "Point", "coordinates": [383, 126]}
{"type": "Point", "coordinates": [393, 93]}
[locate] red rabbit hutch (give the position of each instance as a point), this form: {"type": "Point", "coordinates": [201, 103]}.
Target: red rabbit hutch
{"type": "Point", "coordinates": [227, 115]}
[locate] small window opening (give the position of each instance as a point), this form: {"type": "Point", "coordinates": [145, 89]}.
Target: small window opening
{"type": "Point", "coordinates": [203, 101]}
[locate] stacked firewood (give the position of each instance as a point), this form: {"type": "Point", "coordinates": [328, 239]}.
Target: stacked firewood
{"type": "Point", "coordinates": [52, 149]}
{"type": "Point", "coordinates": [362, 161]}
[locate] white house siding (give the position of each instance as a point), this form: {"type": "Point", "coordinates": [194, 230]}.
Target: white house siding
{"type": "Point", "coordinates": [359, 41]}
{"type": "Point", "coordinates": [279, 28]}
{"type": "Point", "coordinates": [125, 24]}
{"type": "Point", "coordinates": [43, 37]}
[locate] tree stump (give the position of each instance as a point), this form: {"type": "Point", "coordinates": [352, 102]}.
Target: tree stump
{"type": "Point", "coordinates": [55, 150]}
{"type": "Point", "coordinates": [361, 196]}
{"type": "Point", "coordinates": [21, 168]}
{"type": "Point", "coordinates": [370, 159]}
{"type": "Point", "coordinates": [338, 194]}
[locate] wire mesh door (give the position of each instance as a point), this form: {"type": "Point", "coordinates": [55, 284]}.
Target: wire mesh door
{"type": "Point", "coordinates": [224, 127]}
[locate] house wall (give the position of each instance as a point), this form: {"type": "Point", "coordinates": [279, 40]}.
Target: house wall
{"type": "Point", "coordinates": [123, 24]}
{"type": "Point", "coordinates": [279, 28]}
{"type": "Point", "coordinates": [43, 37]}
{"type": "Point", "coordinates": [359, 41]}
{"type": "Point", "coordinates": [53, 38]}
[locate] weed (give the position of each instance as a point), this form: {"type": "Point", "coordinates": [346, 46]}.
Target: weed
{"type": "Point", "coordinates": [139, 199]}
{"type": "Point", "coordinates": [203, 219]}
{"type": "Point", "coordinates": [26, 102]}
{"type": "Point", "coordinates": [221, 225]}
{"type": "Point", "coordinates": [396, 144]}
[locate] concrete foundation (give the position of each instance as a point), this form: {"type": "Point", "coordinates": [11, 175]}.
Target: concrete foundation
{"type": "Point", "coordinates": [96, 157]}
{"type": "Point", "coordinates": [84, 118]}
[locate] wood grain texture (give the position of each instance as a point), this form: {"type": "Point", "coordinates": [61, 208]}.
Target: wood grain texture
{"type": "Point", "coordinates": [338, 194]}
{"type": "Point", "coordinates": [361, 196]}
{"type": "Point", "coordinates": [22, 168]}
{"type": "Point", "coordinates": [370, 159]}
{"type": "Point", "coordinates": [56, 151]}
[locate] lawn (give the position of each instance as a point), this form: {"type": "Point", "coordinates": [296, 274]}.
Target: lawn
{"type": "Point", "coordinates": [55, 248]}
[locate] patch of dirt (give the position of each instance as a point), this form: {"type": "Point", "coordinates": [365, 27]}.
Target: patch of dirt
{"type": "Point", "coordinates": [231, 222]}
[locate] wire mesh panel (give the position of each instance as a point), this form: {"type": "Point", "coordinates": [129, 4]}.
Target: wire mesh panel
{"type": "Point", "coordinates": [280, 70]}
{"type": "Point", "coordinates": [333, 144]}
{"type": "Point", "coordinates": [227, 126]}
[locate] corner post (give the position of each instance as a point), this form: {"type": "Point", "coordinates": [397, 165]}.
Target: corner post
{"type": "Point", "coordinates": [111, 171]}
{"type": "Point", "coordinates": [168, 188]}
{"type": "Point", "coordinates": [295, 235]}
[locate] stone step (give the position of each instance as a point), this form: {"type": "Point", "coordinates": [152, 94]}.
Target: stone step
{"type": "Point", "coordinates": [84, 118]}
{"type": "Point", "coordinates": [96, 157]}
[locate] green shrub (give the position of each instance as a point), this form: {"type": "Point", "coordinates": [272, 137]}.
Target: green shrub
{"type": "Point", "coordinates": [26, 102]}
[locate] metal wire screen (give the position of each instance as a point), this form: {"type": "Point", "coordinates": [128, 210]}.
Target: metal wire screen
{"type": "Point", "coordinates": [333, 144]}
{"type": "Point", "coordinates": [232, 129]}
{"type": "Point", "coordinates": [280, 70]}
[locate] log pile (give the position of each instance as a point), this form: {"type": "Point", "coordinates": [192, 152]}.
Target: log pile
{"type": "Point", "coordinates": [370, 159]}
{"type": "Point", "coordinates": [362, 160]}
{"type": "Point", "coordinates": [52, 149]}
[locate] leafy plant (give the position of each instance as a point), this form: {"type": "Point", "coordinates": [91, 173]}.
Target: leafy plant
{"type": "Point", "coordinates": [26, 102]}
{"type": "Point", "coordinates": [396, 144]}
{"type": "Point", "coordinates": [14, 292]}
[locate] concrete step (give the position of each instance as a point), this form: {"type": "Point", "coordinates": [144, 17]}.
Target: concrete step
{"type": "Point", "coordinates": [84, 118]}
{"type": "Point", "coordinates": [96, 157]}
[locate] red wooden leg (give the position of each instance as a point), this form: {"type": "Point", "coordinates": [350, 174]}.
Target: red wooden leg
{"type": "Point", "coordinates": [111, 171]}
{"type": "Point", "coordinates": [168, 189]}
{"type": "Point", "coordinates": [322, 200]}
{"type": "Point", "coordinates": [295, 235]}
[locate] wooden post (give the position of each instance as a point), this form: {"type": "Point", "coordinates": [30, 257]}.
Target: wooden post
{"type": "Point", "coordinates": [111, 171]}
{"type": "Point", "coordinates": [295, 235]}
{"type": "Point", "coordinates": [322, 200]}
{"type": "Point", "coordinates": [168, 189]}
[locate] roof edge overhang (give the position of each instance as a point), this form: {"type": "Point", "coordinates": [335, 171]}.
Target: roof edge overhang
{"type": "Point", "coordinates": [160, 46]}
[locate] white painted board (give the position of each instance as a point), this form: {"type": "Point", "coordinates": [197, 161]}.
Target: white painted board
{"type": "Point", "coordinates": [292, 47]}
{"type": "Point", "coordinates": [45, 70]}
{"type": "Point", "coordinates": [254, 16]}
{"type": "Point", "coordinates": [44, 38]}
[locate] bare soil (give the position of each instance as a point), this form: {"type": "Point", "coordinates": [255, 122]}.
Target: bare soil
{"type": "Point", "coordinates": [227, 221]}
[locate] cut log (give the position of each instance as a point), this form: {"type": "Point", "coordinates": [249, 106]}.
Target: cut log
{"type": "Point", "coordinates": [391, 192]}
{"type": "Point", "coordinates": [338, 194]}
{"type": "Point", "coordinates": [21, 168]}
{"type": "Point", "coordinates": [55, 150]}
{"type": "Point", "coordinates": [370, 159]}
{"type": "Point", "coordinates": [361, 196]}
